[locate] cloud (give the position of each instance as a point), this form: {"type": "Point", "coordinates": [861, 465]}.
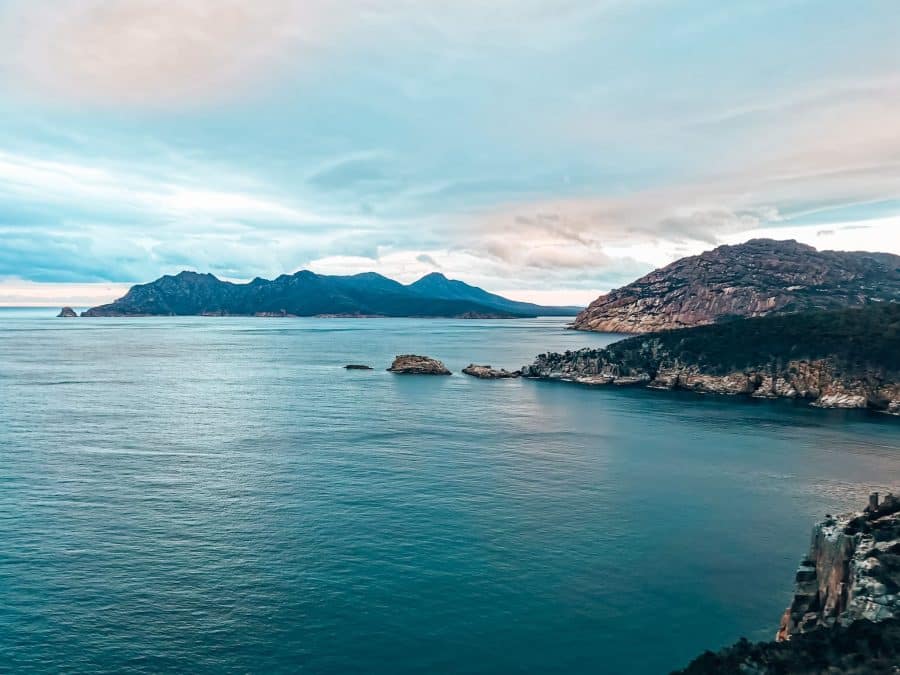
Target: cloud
{"type": "Point", "coordinates": [514, 144]}
{"type": "Point", "coordinates": [427, 260]}
{"type": "Point", "coordinates": [18, 293]}
{"type": "Point", "coordinates": [156, 52]}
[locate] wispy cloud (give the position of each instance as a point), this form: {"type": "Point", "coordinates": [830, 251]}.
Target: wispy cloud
{"type": "Point", "coordinates": [148, 52]}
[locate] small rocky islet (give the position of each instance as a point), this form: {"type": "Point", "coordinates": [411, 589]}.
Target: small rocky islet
{"type": "Point", "coordinates": [414, 364]}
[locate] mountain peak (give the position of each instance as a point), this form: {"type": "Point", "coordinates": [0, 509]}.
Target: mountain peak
{"type": "Point", "coordinates": [433, 276]}
{"type": "Point", "coordinates": [755, 278]}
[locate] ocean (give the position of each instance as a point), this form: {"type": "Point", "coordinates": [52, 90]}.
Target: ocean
{"type": "Point", "coordinates": [218, 495]}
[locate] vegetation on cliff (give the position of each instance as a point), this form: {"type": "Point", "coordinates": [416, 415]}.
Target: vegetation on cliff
{"type": "Point", "coordinates": [862, 648]}
{"type": "Point", "coordinates": [856, 340]}
{"type": "Point", "coordinates": [846, 358]}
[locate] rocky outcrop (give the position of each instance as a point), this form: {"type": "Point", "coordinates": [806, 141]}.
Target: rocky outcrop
{"type": "Point", "coordinates": [67, 312]}
{"type": "Point", "coordinates": [759, 277]}
{"type": "Point", "coordinates": [412, 364]}
{"type": "Point", "coordinates": [818, 382]}
{"type": "Point", "coordinates": [852, 571]}
{"type": "Point", "coordinates": [488, 373]}
{"type": "Point", "coordinates": [844, 616]}
{"type": "Point", "coordinates": [841, 359]}
{"type": "Point", "coordinates": [357, 366]}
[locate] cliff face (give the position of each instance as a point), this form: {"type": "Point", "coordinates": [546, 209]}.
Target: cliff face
{"type": "Point", "coordinates": [852, 571]}
{"type": "Point", "coordinates": [757, 278]}
{"type": "Point", "coordinates": [845, 613]}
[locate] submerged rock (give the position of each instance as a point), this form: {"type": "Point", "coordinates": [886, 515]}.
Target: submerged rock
{"type": "Point", "coordinates": [67, 312]}
{"type": "Point", "coordinates": [412, 364]}
{"type": "Point", "coordinates": [488, 373]}
{"type": "Point", "coordinates": [357, 366]}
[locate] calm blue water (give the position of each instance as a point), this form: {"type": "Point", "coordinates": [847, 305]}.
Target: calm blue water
{"type": "Point", "coordinates": [219, 495]}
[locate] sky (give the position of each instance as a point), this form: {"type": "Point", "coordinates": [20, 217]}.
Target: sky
{"type": "Point", "coordinates": [547, 150]}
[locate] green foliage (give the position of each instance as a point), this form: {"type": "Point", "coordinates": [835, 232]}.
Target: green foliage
{"type": "Point", "coordinates": [855, 339]}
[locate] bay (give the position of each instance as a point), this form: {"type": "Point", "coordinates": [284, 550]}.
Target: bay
{"type": "Point", "coordinates": [220, 495]}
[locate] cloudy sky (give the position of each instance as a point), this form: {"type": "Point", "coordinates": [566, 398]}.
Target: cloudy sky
{"type": "Point", "coordinates": [547, 149]}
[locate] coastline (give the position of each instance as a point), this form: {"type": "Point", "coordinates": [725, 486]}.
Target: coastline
{"type": "Point", "coordinates": [813, 382]}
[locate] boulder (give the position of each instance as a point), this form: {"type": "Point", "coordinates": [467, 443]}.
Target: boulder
{"type": "Point", "coordinates": [412, 364]}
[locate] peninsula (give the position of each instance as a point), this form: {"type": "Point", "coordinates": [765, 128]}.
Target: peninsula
{"type": "Point", "coordinates": [834, 359]}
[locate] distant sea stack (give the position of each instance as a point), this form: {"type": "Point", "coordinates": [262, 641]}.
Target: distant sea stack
{"type": "Point", "coordinates": [844, 616]}
{"type": "Point", "coordinates": [67, 312]}
{"type": "Point", "coordinates": [413, 364]}
{"type": "Point", "coordinates": [838, 359]}
{"type": "Point", "coordinates": [308, 294]}
{"type": "Point", "coordinates": [757, 278]}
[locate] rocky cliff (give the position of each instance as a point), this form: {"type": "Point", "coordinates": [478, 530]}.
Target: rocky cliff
{"type": "Point", "coordinates": [844, 616]}
{"type": "Point", "coordinates": [852, 571]}
{"type": "Point", "coordinates": [840, 359]}
{"type": "Point", "coordinates": [759, 277]}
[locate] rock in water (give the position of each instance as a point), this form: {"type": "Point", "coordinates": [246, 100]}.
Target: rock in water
{"type": "Point", "coordinates": [67, 312]}
{"type": "Point", "coordinates": [357, 366]}
{"type": "Point", "coordinates": [412, 364]}
{"type": "Point", "coordinates": [488, 373]}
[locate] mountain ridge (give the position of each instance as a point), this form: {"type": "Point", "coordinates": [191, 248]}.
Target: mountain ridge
{"type": "Point", "coordinates": [306, 293]}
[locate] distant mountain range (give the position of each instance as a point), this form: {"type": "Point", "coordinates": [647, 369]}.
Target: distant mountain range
{"type": "Point", "coordinates": [308, 294]}
{"type": "Point", "coordinates": [759, 277]}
